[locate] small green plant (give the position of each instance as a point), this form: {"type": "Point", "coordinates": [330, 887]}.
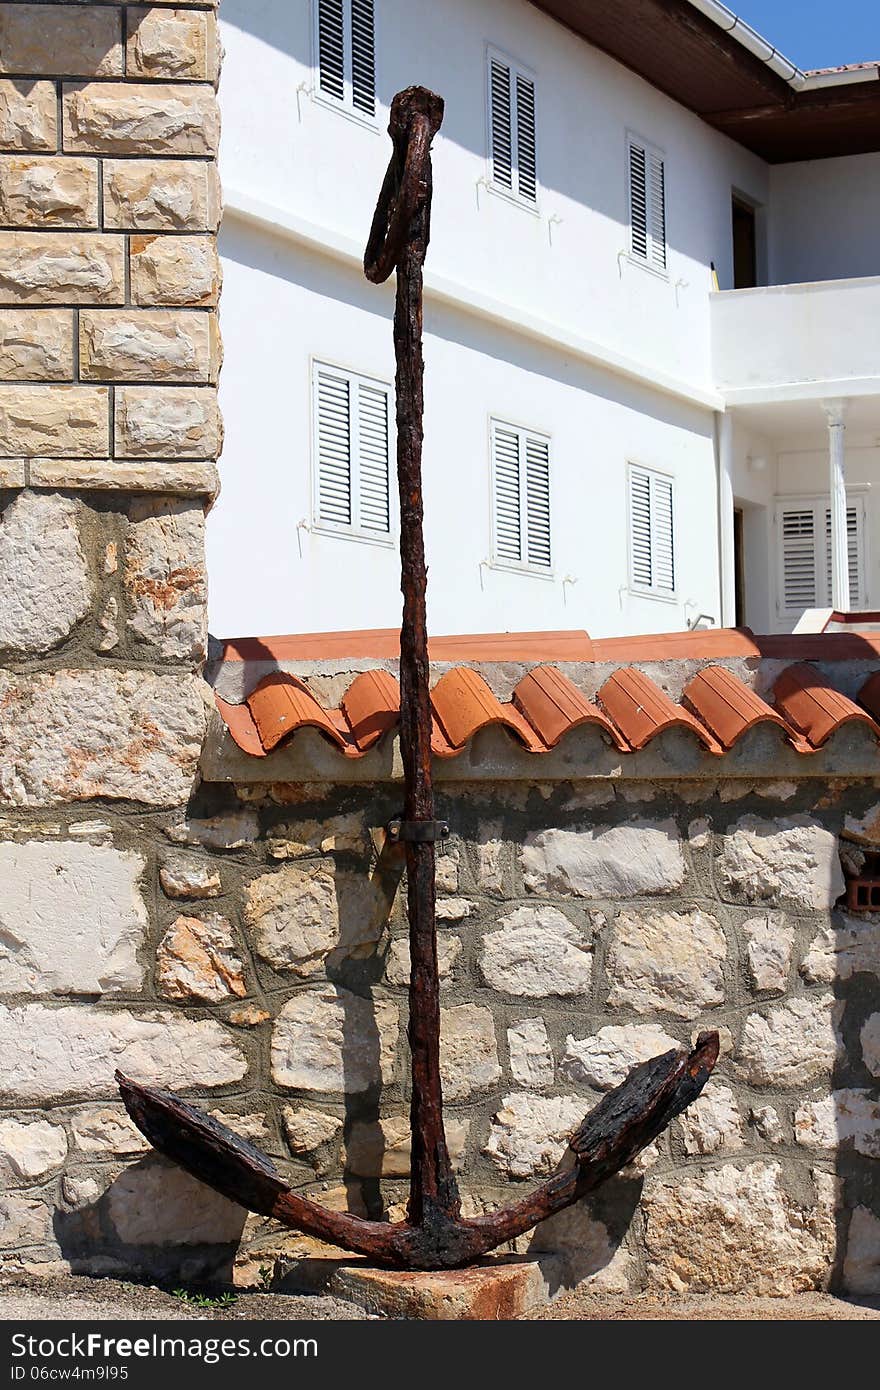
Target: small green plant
{"type": "Point", "coordinates": [203, 1300]}
{"type": "Point", "coordinates": [265, 1274]}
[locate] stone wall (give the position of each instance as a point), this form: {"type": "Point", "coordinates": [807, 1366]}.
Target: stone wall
{"type": "Point", "coordinates": [253, 954]}
{"type": "Point", "coordinates": [109, 355]}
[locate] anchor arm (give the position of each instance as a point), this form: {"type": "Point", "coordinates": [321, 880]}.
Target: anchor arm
{"type": "Point", "coordinates": [622, 1124]}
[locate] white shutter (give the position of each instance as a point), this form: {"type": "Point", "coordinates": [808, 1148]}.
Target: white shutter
{"type": "Point", "coordinates": [363, 56]}
{"type": "Point", "coordinates": [526, 139]}
{"type": "Point", "coordinates": [641, 571]}
{"type": "Point", "coordinates": [501, 123]}
{"type": "Point", "coordinates": [804, 532]}
{"type": "Point", "coordinates": [513, 137]}
{"type": "Point", "coordinates": [854, 555]}
{"type": "Point", "coordinates": [651, 531]}
{"type": "Point", "coordinates": [521, 495]}
{"type": "Point", "coordinates": [797, 527]}
{"type": "Point", "coordinates": [657, 207]}
{"type": "Point", "coordinates": [647, 203]}
{"type": "Point", "coordinates": [538, 501]}
{"type": "Point", "coordinates": [508, 510]}
{"type": "Point", "coordinates": [352, 452]}
{"type": "Point", "coordinates": [333, 410]}
{"type": "Point", "coordinates": [662, 544]}
{"type": "Point", "coordinates": [331, 48]}
{"type": "Point", "coordinates": [372, 492]}
{"type": "Point", "coordinates": [638, 202]}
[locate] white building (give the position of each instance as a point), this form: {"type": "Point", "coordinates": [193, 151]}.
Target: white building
{"type": "Point", "coordinates": [610, 443]}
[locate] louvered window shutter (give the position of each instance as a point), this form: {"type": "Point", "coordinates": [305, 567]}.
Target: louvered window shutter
{"type": "Point", "coordinates": [521, 481]}
{"type": "Point", "coordinates": [651, 531]}
{"type": "Point", "coordinates": [638, 202]}
{"type": "Point", "coordinates": [363, 56]}
{"type": "Point", "coordinates": [334, 448]}
{"type": "Point", "coordinates": [501, 123]}
{"type": "Point", "coordinates": [647, 204]}
{"type": "Point", "coordinates": [346, 31]}
{"type": "Point", "coordinates": [373, 499]}
{"type": "Point", "coordinates": [352, 433]}
{"type": "Point", "coordinates": [854, 555]}
{"type": "Point", "coordinates": [804, 525]}
{"type": "Point", "coordinates": [663, 550]}
{"type": "Point", "coordinates": [640, 529]}
{"type": "Point", "coordinates": [331, 48]}
{"type": "Point", "coordinates": [513, 130]}
{"type": "Point", "coordinates": [538, 501]}
{"type": "Point", "coordinates": [508, 508]}
{"type": "Point", "coordinates": [798, 532]}
{"type": "Point", "coordinates": [526, 139]}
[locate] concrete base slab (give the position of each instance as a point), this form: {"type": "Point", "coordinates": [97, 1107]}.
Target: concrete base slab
{"type": "Point", "coordinates": [492, 1291]}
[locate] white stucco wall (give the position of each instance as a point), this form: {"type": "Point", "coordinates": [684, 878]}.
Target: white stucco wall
{"type": "Point", "coordinates": [825, 215]}
{"type": "Point", "coordinates": [269, 575]}
{"type": "Point", "coordinates": [560, 278]}
{"type": "Point", "coordinates": [283, 304]}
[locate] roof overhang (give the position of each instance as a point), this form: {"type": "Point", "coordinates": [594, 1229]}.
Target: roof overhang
{"type": "Point", "coordinates": [709, 69]}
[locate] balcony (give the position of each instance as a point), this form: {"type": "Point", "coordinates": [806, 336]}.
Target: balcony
{"type": "Point", "coordinates": [796, 342]}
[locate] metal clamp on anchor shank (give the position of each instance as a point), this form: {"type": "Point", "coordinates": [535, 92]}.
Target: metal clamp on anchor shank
{"type": "Point", "coordinates": [420, 832]}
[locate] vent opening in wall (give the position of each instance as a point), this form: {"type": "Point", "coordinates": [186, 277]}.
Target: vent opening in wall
{"type": "Point", "coordinates": [861, 870]}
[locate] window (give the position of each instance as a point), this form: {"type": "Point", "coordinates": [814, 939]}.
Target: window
{"type": "Point", "coordinates": [345, 49]}
{"type": "Point", "coordinates": [521, 498]}
{"type": "Point", "coordinates": [804, 548]}
{"type": "Point", "coordinates": [651, 532]}
{"type": "Point", "coordinates": [351, 453]}
{"type": "Point", "coordinates": [647, 203]}
{"type": "Point", "coordinates": [513, 153]}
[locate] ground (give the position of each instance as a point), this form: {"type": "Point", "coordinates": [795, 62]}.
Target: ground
{"type": "Point", "coordinates": [75, 1298]}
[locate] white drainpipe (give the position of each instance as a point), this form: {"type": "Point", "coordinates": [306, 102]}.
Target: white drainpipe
{"type": "Point", "coordinates": [725, 519]}
{"type": "Point", "coordinates": [835, 413]}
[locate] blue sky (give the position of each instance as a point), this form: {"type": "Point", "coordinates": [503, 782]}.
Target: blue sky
{"type": "Point", "coordinates": [816, 33]}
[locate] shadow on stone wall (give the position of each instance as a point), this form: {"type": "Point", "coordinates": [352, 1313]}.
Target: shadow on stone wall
{"type": "Point", "coordinates": [153, 1219]}
{"type": "Point", "coordinates": [848, 1120]}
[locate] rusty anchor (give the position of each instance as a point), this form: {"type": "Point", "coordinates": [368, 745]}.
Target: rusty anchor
{"type": "Point", "coordinates": [434, 1234]}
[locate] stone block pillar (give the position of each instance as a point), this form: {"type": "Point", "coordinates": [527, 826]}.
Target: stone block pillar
{"type": "Point", "coordinates": [109, 432]}
{"type": "Point", "coordinates": [109, 355]}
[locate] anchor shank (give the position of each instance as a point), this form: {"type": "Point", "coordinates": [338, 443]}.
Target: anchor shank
{"type": "Point", "coordinates": [433, 1189]}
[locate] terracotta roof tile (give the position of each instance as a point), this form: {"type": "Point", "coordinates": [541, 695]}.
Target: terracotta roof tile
{"type": "Point", "coordinates": [630, 708]}
{"type": "Point", "coordinates": [640, 709]}
{"type": "Point", "coordinates": [704, 644]}
{"type": "Point", "coordinates": [811, 704]}
{"type": "Point", "coordinates": [280, 704]}
{"type": "Point", "coordinates": [240, 723]}
{"type": "Point", "coordinates": [553, 705]}
{"type": "Point", "coordinates": [463, 704]}
{"type": "Point", "coordinates": [728, 707]}
{"type": "Point", "coordinates": [384, 644]}
{"type": "Point", "coordinates": [821, 646]}
{"type": "Point", "coordinates": [869, 695]}
{"type": "Point", "coordinates": [372, 706]}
